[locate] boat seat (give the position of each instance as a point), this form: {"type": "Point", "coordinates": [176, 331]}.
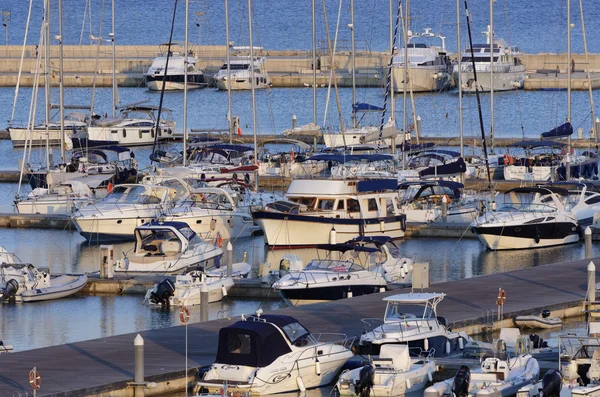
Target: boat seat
{"type": "Point", "coordinates": [155, 258]}
{"type": "Point", "coordinates": [170, 247]}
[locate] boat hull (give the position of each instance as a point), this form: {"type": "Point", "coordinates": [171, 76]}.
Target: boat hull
{"type": "Point", "coordinates": [329, 293]}
{"type": "Point", "coordinates": [228, 226]}
{"type": "Point", "coordinates": [61, 287]}
{"type": "Point", "coordinates": [527, 236]}
{"type": "Point", "coordinates": [437, 342]}
{"type": "Point", "coordinates": [422, 79]}
{"type": "Point", "coordinates": [503, 81]}
{"type": "Point", "coordinates": [95, 229]}
{"type": "Point", "coordinates": [538, 322]}
{"type": "Point", "coordinates": [174, 83]}
{"type": "Point", "coordinates": [241, 84]}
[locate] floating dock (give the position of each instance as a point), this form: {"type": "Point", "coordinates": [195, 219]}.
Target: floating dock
{"type": "Point", "coordinates": [105, 366]}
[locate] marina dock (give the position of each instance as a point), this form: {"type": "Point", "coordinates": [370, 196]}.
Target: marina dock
{"type": "Point", "coordinates": [106, 366]}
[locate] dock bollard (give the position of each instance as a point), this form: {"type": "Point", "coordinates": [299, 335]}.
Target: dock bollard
{"type": "Point", "coordinates": [204, 302]}
{"type": "Point", "coordinates": [587, 235]}
{"type": "Point", "coordinates": [591, 292]}
{"type": "Point", "coordinates": [229, 258]}
{"type": "Point", "coordinates": [444, 208]}
{"type": "Point", "coordinates": [138, 344]}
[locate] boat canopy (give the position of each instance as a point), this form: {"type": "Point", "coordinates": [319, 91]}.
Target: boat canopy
{"type": "Point", "coordinates": [365, 108]}
{"type": "Point", "coordinates": [540, 190]}
{"type": "Point", "coordinates": [410, 147]}
{"type": "Point", "coordinates": [536, 143]}
{"type": "Point", "coordinates": [373, 185]}
{"type": "Point", "coordinates": [343, 247]}
{"type": "Point", "coordinates": [559, 132]}
{"type": "Point", "coordinates": [346, 158]}
{"type": "Point", "coordinates": [420, 297]}
{"type": "Point", "coordinates": [452, 168]}
{"type": "Point", "coordinates": [257, 341]}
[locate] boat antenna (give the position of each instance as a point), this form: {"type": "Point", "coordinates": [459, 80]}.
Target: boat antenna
{"type": "Point", "coordinates": [162, 91]}
{"type": "Point", "coordinates": [388, 83]}
{"type": "Point", "coordinates": [485, 153]}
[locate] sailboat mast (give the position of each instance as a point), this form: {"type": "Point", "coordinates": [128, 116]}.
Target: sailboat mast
{"type": "Point", "coordinates": [353, 63]}
{"type": "Point", "coordinates": [568, 162]}
{"type": "Point", "coordinates": [392, 101]}
{"type": "Point", "coordinates": [314, 63]}
{"type": "Point", "coordinates": [587, 62]}
{"type": "Point", "coordinates": [252, 81]}
{"type": "Point", "coordinates": [185, 81]}
{"type": "Point", "coordinates": [491, 37]}
{"type": "Point", "coordinates": [47, 77]}
{"type": "Point", "coordinates": [61, 87]}
{"type": "Point", "coordinates": [229, 115]}
{"type": "Point", "coordinates": [114, 64]}
{"type": "Point", "coordinates": [404, 82]}
{"type": "Point", "coordinates": [459, 66]}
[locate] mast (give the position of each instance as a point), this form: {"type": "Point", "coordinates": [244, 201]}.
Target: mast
{"type": "Point", "coordinates": [47, 78]}
{"type": "Point", "coordinates": [114, 64]}
{"type": "Point", "coordinates": [392, 100]}
{"type": "Point", "coordinates": [229, 116]}
{"type": "Point", "coordinates": [587, 61]}
{"type": "Point", "coordinates": [252, 81]}
{"type": "Point", "coordinates": [459, 66]}
{"type": "Point", "coordinates": [404, 85]}
{"type": "Point", "coordinates": [568, 173]}
{"type": "Point", "coordinates": [314, 62]}
{"type": "Point", "coordinates": [353, 63]}
{"type": "Point", "coordinates": [61, 87]}
{"type": "Point", "coordinates": [185, 82]}
{"type": "Point", "coordinates": [491, 36]}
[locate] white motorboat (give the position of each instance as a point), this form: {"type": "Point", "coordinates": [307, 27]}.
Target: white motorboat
{"type": "Point", "coordinates": [175, 75]}
{"type": "Point", "coordinates": [495, 378]}
{"type": "Point", "coordinates": [327, 210]}
{"type": "Point", "coordinates": [26, 283]}
{"type": "Point", "coordinates": [273, 354]}
{"type": "Point", "coordinates": [383, 136]}
{"type": "Point", "coordinates": [508, 73]}
{"type": "Point", "coordinates": [542, 321]}
{"type": "Point", "coordinates": [167, 248]}
{"type": "Point", "coordinates": [583, 200]}
{"type": "Point", "coordinates": [115, 217]}
{"type": "Point", "coordinates": [361, 269]}
{"type": "Point", "coordinates": [429, 67]}
{"type": "Point", "coordinates": [511, 342]}
{"type": "Point", "coordinates": [525, 221]}
{"type": "Point", "coordinates": [134, 126]}
{"type": "Point", "coordinates": [75, 126]}
{"type": "Point", "coordinates": [240, 72]}
{"type": "Point", "coordinates": [61, 199]}
{"type": "Point", "coordinates": [187, 289]}
{"type": "Point", "coordinates": [411, 319]}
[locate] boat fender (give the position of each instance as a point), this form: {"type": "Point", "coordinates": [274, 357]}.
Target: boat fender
{"type": "Point", "coordinates": [213, 224]}
{"type": "Point", "coordinates": [448, 347]}
{"type": "Point", "coordinates": [230, 222]}
{"type": "Point", "coordinates": [349, 294]}
{"type": "Point", "coordinates": [551, 383]}
{"type": "Point", "coordinates": [300, 383]}
{"type": "Point", "coordinates": [430, 376]}
{"type": "Point", "coordinates": [219, 239]}
{"type": "Point", "coordinates": [425, 344]}
{"type": "Point", "coordinates": [537, 235]}
{"type": "Point", "coordinates": [223, 290]}
{"type": "Point", "coordinates": [317, 367]}
{"type": "Point", "coordinates": [460, 386]}
{"type": "Point", "coordinates": [408, 383]}
{"type": "Point", "coordinates": [461, 343]}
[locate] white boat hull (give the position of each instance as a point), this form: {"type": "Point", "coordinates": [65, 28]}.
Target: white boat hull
{"type": "Point", "coordinates": [422, 79]}
{"type": "Point", "coordinates": [110, 229]}
{"type": "Point", "coordinates": [503, 81]}
{"type": "Point", "coordinates": [208, 225]}
{"type": "Point", "coordinates": [538, 322]}
{"type": "Point", "coordinates": [129, 136]}
{"type": "Point", "coordinates": [241, 84]}
{"type": "Point", "coordinates": [192, 296]}
{"type": "Point", "coordinates": [512, 243]}
{"type": "Point", "coordinates": [157, 85]}
{"type": "Point", "coordinates": [60, 287]}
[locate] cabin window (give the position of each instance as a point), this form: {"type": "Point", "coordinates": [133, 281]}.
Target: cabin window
{"type": "Point", "coordinates": [124, 133]}
{"type": "Point", "coordinates": [353, 205]}
{"type": "Point", "coordinates": [389, 206]}
{"type": "Point", "coordinates": [326, 204]}
{"type": "Point", "coordinates": [340, 205]}
{"type": "Point", "coordinates": [372, 204]}
{"type": "Point", "coordinates": [593, 200]}
{"type": "Point", "coordinates": [239, 343]}
{"type": "Point", "coordinates": [307, 201]}
{"type": "Point", "coordinates": [114, 131]}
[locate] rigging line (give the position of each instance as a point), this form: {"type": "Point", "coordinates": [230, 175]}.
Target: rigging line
{"type": "Point", "coordinates": [12, 115]}
{"type": "Point", "coordinates": [85, 10]}
{"type": "Point", "coordinates": [96, 64]}
{"type": "Point", "coordinates": [520, 111]}
{"type": "Point", "coordinates": [162, 91]}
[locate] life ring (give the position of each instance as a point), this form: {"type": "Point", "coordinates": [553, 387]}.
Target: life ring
{"type": "Point", "coordinates": [184, 314]}
{"type": "Point", "coordinates": [506, 159]}
{"type": "Point", "coordinates": [501, 297]}
{"type": "Point", "coordinates": [109, 188]}
{"type": "Point", "coordinates": [35, 380]}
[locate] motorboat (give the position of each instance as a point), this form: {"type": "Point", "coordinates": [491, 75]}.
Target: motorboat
{"type": "Point", "coordinates": [326, 210]}
{"type": "Point", "coordinates": [187, 289]}
{"type": "Point", "coordinates": [498, 377]}
{"type": "Point", "coordinates": [61, 199]}
{"type": "Point", "coordinates": [240, 68]}
{"type": "Point", "coordinates": [583, 200]}
{"type": "Point", "coordinates": [383, 136]}
{"type": "Point", "coordinates": [524, 221]}
{"type": "Point", "coordinates": [75, 126]}
{"type": "Point", "coordinates": [508, 69]}
{"type": "Point", "coordinates": [167, 248]}
{"type": "Point", "coordinates": [543, 321]}
{"type": "Point", "coordinates": [429, 67]}
{"type": "Point", "coordinates": [175, 75]}
{"type": "Point", "coordinates": [422, 201]}
{"type": "Point", "coordinates": [394, 373]}
{"type": "Point", "coordinates": [134, 126]}
{"type": "Point", "coordinates": [269, 354]}
{"type": "Point", "coordinates": [411, 319]}
{"type": "Point", "coordinates": [432, 163]}
{"type": "Point", "coordinates": [22, 282]}
{"type": "Point", "coordinates": [127, 206]}
{"type": "Point", "coordinates": [511, 342]}
{"type": "Point", "coordinates": [364, 266]}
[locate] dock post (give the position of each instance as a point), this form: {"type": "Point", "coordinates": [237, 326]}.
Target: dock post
{"type": "Point", "coordinates": [591, 292]}
{"type": "Point", "coordinates": [138, 344]}
{"type": "Point", "coordinates": [229, 258]}
{"type": "Point", "coordinates": [294, 119]}
{"type": "Point", "coordinates": [204, 302]}
{"type": "Point", "coordinates": [588, 242]}
{"type": "Point", "coordinates": [444, 208]}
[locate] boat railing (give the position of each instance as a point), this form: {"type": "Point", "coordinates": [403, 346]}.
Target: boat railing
{"type": "Point", "coordinates": [385, 328]}
{"type": "Point", "coordinates": [335, 338]}
{"type": "Point", "coordinates": [323, 348]}
{"type": "Point", "coordinates": [310, 278]}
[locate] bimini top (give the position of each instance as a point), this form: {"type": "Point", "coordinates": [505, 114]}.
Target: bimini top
{"type": "Point", "coordinates": [258, 341]}
{"type": "Point", "coordinates": [421, 297]}
{"type": "Point", "coordinates": [233, 148]}
{"type": "Point", "coordinates": [540, 190]}
{"type": "Point", "coordinates": [346, 158]}
{"type": "Point", "coordinates": [346, 247]}
{"type": "Point", "coordinates": [534, 143]}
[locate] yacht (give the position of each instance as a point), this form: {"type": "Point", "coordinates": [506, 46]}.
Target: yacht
{"type": "Point", "coordinates": [61, 199]}
{"type": "Point", "coordinates": [429, 67]}
{"type": "Point", "coordinates": [187, 289]}
{"type": "Point", "coordinates": [358, 135]}
{"type": "Point", "coordinates": [411, 319]}
{"type": "Point", "coordinates": [508, 73]}
{"type": "Point", "coordinates": [530, 217]}
{"type": "Point", "coordinates": [175, 76]}
{"type": "Point", "coordinates": [583, 200]}
{"type": "Point", "coordinates": [134, 126]}
{"type": "Point", "coordinates": [360, 269]}
{"type": "Point", "coordinates": [167, 248]}
{"type": "Point", "coordinates": [394, 373]}
{"type": "Point", "coordinates": [240, 72]}
{"type": "Point", "coordinates": [325, 210]}
{"type": "Point", "coordinates": [257, 355]}
{"type": "Point", "coordinates": [75, 126]}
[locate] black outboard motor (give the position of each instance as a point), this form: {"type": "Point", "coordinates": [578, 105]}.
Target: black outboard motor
{"type": "Point", "coordinates": [551, 383]}
{"type": "Point", "coordinates": [537, 341]}
{"type": "Point", "coordinates": [163, 291]}
{"type": "Point", "coordinates": [9, 292]}
{"type": "Point", "coordinates": [460, 387]}
{"type": "Point", "coordinates": [366, 380]}
{"type": "Point", "coordinates": [546, 313]}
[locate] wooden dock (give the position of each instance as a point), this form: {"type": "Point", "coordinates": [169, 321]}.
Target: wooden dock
{"type": "Point", "coordinates": [106, 364]}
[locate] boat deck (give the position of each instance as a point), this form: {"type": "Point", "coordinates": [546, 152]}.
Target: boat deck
{"type": "Point", "coordinates": [90, 367]}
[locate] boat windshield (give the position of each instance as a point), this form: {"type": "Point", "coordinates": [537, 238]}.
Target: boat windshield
{"type": "Point", "coordinates": [132, 195]}
{"type": "Point", "coordinates": [157, 242]}
{"type": "Point", "coordinates": [298, 335]}
{"type": "Point", "coordinates": [527, 207]}
{"type": "Point", "coordinates": [333, 266]}
{"type": "Point", "coordinates": [399, 311]}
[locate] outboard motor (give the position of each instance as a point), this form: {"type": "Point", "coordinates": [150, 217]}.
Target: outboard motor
{"type": "Point", "coordinates": [546, 313]}
{"type": "Point", "coordinates": [163, 291]}
{"type": "Point", "coordinates": [537, 341]}
{"type": "Point", "coordinates": [366, 380]}
{"type": "Point", "coordinates": [460, 387]}
{"type": "Point", "coordinates": [9, 292]}
{"type": "Point", "coordinates": [551, 383]}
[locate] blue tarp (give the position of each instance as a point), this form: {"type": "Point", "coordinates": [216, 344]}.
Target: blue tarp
{"type": "Point", "coordinates": [452, 168]}
{"type": "Point", "coordinates": [559, 132]}
{"type": "Point", "coordinates": [365, 108]}
{"type": "Point", "coordinates": [374, 185]}
{"type": "Point", "coordinates": [345, 247]}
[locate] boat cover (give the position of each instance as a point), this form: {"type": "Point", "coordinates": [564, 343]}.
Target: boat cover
{"type": "Point", "coordinates": [559, 132]}
{"type": "Point", "coordinates": [453, 168]}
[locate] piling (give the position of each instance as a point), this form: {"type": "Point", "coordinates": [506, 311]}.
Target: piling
{"type": "Point", "coordinates": [204, 302]}
{"type": "Point", "coordinates": [138, 344]}
{"type": "Point", "coordinates": [588, 242]}
{"type": "Point", "coordinates": [591, 292]}
{"type": "Point", "coordinates": [229, 258]}
{"type": "Point", "coordinates": [444, 208]}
